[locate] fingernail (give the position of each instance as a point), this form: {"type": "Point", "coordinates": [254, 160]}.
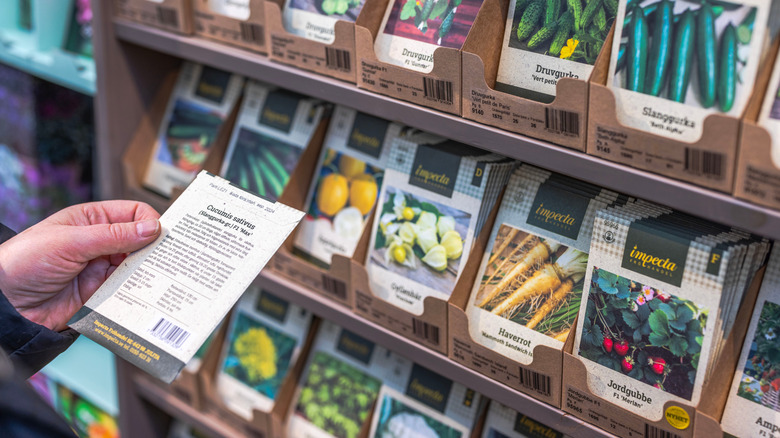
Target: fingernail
{"type": "Point", "coordinates": [147, 228]}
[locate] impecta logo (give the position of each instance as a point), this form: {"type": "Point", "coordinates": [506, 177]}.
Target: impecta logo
{"type": "Point", "coordinates": [652, 252]}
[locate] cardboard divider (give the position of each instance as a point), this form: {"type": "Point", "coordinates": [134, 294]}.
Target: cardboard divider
{"type": "Point", "coordinates": [690, 421]}
{"type": "Point", "coordinates": [136, 158]}
{"type": "Point", "coordinates": [262, 424]}
{"type": "Point", "coordinates": [609, 139]}
{"type": "Point", "coordinates": [247, 34]}
{"type": "Point", "coordinates": [333, 282]}
{"type": "Point", "coordinates": [337, 59]}
{"type": "Point", "coordinates": [758, 176]}
{"type": "Point", "coordinates": [431, 327]}
{"type": "Point", "coordinates": [440, 89]}
{"type": "Point", "coordinates": [482, 103]}
{"type": "Point", "coordinates": [540, 379]}
{"type": "Point", "coordinates": [171, 15]}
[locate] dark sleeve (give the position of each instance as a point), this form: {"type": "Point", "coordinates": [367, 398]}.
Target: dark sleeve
{"type": "Point", "coordinates": [30, 346]}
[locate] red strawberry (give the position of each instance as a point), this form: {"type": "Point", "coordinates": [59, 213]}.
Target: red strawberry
{"type": "Point", "coordinates": [658, 385]}
{"type": "Point", "coordinates": [628, 364]}
{"type": "Point", "coordinates": [776, 384]}
{"type": "Point", "coordinates": [764, 388]}
{"type": "Point", "coordinates": [608, 345]}
{"type": "Point", "coordinates": [658, 364]}
{"type": "Point", "coordinates": [621, 347]}
{"type": "Point", "coordinates": [664, 297]}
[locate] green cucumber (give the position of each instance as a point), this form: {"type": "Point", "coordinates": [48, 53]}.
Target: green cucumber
{"type": "Point", "coordinates": [727, 68]}
{"type": "Point", "coordinates": [589, 12]}
{"type": "Point", "coordinates": [276, 186]}
{"type": "Point", "coordinates": [530, 18]}
{"type": "Point", "coordinates": [551, 12]}
{"type": "Point", "coordinates": [542, 35]}
{"type": "Point", "coordinates": [271, 159]}
{"type": "Point", "coordinates": [660, 50]}
{"type": "Point", "coordinates": [601, 19]}
{"type": "Point", "coordinates": [637, 51]}
{"type": "Point", "coordinates": [621, 58]}
{"type": "Point", "coordinates": [575, 7]}
{"type": "Point", "coordinates": [648, 10]}
{"type": "Point", "coordinates": [446, 25]}
{"type": "Point", "coordinates": [706, 55]}
{"type": "Point", "coordinates": [565, 25]}
{"type": "Point", "coordinates": [257, 175]}
{"type": "Point", "coordinates": [745, 28]}
{"type": "Point", "coordinates": [682, 56]}
{"type": "Point", "coordinates": [611, 6]}
{"type": "Point", "coordinates": [520, 6]}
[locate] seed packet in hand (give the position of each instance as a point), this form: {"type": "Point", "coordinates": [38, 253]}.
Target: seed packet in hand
{"type": "Point", "coordinates": [674, 62]}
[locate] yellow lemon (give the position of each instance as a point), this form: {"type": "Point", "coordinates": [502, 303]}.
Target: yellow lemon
{"type": "Point", "coordinates": [408, 213]}
{"type": "Point", "coordinates": [332, 194]}
{"type": "Point", "coordinates": [362, 193]}
{"type": "Point", "coordinates": [351, 167]}
{"type": "Point", "coordinates": [399, 254]}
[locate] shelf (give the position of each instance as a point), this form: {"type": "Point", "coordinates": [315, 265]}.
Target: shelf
{"type": "Point", "coordinates": [177, 408]}
{"type": "Point", "coordinates": [327, 309]}
{"type": "Point", "coordinates": [69, 71]}
{"type": "Point", "coordinates": [676, 194]}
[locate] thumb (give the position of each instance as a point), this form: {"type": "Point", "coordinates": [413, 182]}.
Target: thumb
{"type": "Point", "coordinates": [93, 241]}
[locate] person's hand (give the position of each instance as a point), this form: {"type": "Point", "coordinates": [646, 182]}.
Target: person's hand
{"type": "Point", "coordinates": [50, 270]}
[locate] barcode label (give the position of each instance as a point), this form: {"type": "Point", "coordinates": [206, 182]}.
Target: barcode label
{"type": "Point", "coordinates": [337, 59]}
{"type": "Point", "coordinates": [167, 16]}
{"type": "Point", "coordinates": [654, 432]}
{"type": "Point", "coordinates": [702, 162]}
{"type": "Point", "coordinates": [334, 287]}
{"type": "Point", "coordinates": [535, 381]}
{"type": "Point", "coordinates": [170, 333]}
{"type": "Point", "coordinates": [425, 331]}
{"type": "Point", "coordinates": [252, 33]}
{"type": "Point", "coordinates": [562, 122]}
{"type": "Point", "coordinates": [437, 89]}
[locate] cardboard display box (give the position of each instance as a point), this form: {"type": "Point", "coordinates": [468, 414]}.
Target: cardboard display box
{"type": "Point", "coordinates": [263, 424]}
{"type": "Point", "coordinates": [335, 60]}
{"type": "Point", "coordinates": [708, 162]}
{"type": "Point", "coordinates": [440, 89]}
{"type": "Point", "coordinates": [681, 421]}
{"type": "Point", "coordinates": [247, 33]}
{"type": "Point", "coordinates": [540, 379]}
{"type": "Point", "coordinates": [135, 160]}
{"type": "Point", "coordinates": [171, 15]}
{"type": "Point", "coordinates": [758, 176]}
{"type": "Point", "coordinates": [431, 327]}
{"type": "Point", "coordinates": [562, 122]}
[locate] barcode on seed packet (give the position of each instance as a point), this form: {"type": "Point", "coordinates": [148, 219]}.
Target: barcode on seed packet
{"type": "Point", "coordinates": [535, 381]}
{"type": "Point", "coordinates": [563, 122]}
{"type": "Point", "coordinates": [252, 33]}
{"type": "Point", "coordinates": [170, 333]}
{"type": "Point", "coordinates": [337, 59]}
{"type": "Point", "coordinates": [702, 162]}
{"type": "Point", "coordinates": [167, 16]}
{"type": "Point", "coordinates": [437, 89]}
{"type": "Point", "coordinates": [425, 331]}
{"type": "Point", "coordinates": [654, 432]}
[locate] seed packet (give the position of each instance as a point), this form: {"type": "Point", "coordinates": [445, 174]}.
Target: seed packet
{"type": "Point", "coordinates": [411, 30]}
{"type": "Point", "coordinates": [265, 337]}
{"type": "Point", "coordinates": [505, 422]}
{"type": "Point", "coordinates": [545, 40]}
{"type": "Point", "coordinates": [238, 9]}
{"type": "Point", "coordinates": [273, 128]}
{"type": "Point", "coordinates": [198, 106]}
{"type": "Point", "coordinates": [435, 407]}
{"type": "Point", "coordinates": [754, 399]}
{"type": "Point", "coordinates": [650, 325]}
{"type": "Point", "coordinates": [434, 199]}
{"type": "Point", "coordinates": [769, 117]}
{"type": "Point", "coordinates": [674, 62]}
{"type": "Point", "coordinates": [344, 191]}
{"type": "Point", "coordinates": [316, 19]}
{"type": "Point", "coordinates": [340, 383]}
{"type": "Point", "coordinates": [532, 272]}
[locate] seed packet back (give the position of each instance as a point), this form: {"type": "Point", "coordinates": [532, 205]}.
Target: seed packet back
{"type": "Point", "coordinates": [548, 40]}
{"type": "Point", "coordinates": [340, 383]}
{"type": "Point", "coordinates": [532, 272]}
{"type": "Point", "coordinates": [161, 304]}
{"type": "Point", "coordinates": [264, 341]}
{"type": "Point", "coordinates": [343, 193]}
{"type": "Point", "coordinates": [198, 106]}
{"type": "Point", "coordinates": [316, 19]}
{"type": "Point", "coordinates": [657, 85]}
{"type": "Point", "coordinates": [435, 198]}
{"type": "Point", "coordinates": [411, 30]}
{"type": "Point", "coordinates": [273, 128]}
{"type": "Point", "coordinates": [753, 405]}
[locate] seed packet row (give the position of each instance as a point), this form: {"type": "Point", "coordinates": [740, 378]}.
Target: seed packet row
{"type": "Point", "coordinates": [264, 339]}
{"type": "Point", "coordinates": [533, 268]}
{"type": "Point", "coordinates": [655, 288]}
{"type": "Point", "coordinates": [344, 377]}
{"type": "Point", "coordinates": [201, 100]}
{"type": "Point", "coordinates": [753, 404]}
{"type": "Point", "coordinates": [674, 62]}
{"type": "Point", "coordinates": [435, 197]}
{"type": "Point", "coordinates": [273, 128]}
{"type": "Point", "coordinates": [504, 422]}
{"type": "Point", "coordinates": [344, 190]}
